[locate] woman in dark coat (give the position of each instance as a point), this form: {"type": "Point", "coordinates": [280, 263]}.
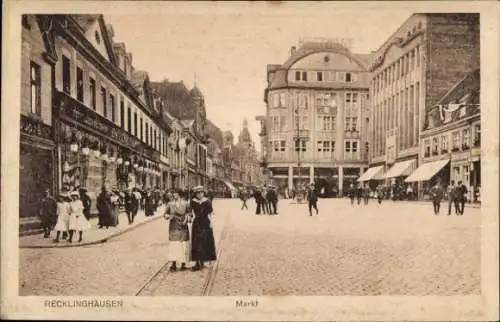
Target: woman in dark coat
{"type": "Point", "coordinates": [203, 243]}
{"type": "Point", "coordinates": [105, 209]}
{"type": "Point", "coordinates": [150, 204]}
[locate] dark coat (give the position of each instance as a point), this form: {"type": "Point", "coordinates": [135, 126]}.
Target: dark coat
{"type": "Point", "coordinates": [312, 196]}
{"type": "Point", "coordinates": [202, 243]}
{"type": "Point", "coordinates": [48, 212]}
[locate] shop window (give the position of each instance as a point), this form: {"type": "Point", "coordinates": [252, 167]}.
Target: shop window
{"type": "Point", "coordinates": [79, 84]}
{"type": "Point", "coordinates": [36, 89]}
{"type": "Point", "coordinates": [104, 97]}
{"type": "Point", "coordinates": [66, 75]}
{"type": "Point", "coordinates": [92, 90]}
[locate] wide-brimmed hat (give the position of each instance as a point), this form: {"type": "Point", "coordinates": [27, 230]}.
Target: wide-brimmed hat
{"type": "Point", "coordinates": [198, 189]}
{"type": "Point", "coordinates": [74, 194]}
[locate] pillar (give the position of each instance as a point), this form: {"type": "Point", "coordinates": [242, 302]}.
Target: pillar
{"type": "Point", "coordinates": [311, 174]}
{"type": "Point", "coordinates": [290, 177]}
{"type": "Point", "coordinates": [341, 181]}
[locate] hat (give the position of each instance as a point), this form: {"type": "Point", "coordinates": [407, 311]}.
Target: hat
{"type": "Point", "coordinates": [74, 193]}
{"type": "Point", "coordinates": [198, 189]}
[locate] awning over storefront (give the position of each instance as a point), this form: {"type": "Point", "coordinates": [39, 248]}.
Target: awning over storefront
{"type": "Point", "coordinates": [427, 171]}
{"type": "Point", "coordinates": [372, 174]}
{"type": "Point", "coordinates": [400, 169]}
{"type": "Point", "coordinates": [229, 185]}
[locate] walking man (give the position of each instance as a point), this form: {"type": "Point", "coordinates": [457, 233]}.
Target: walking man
{"type": "Point", "coordinates": [452, 198]}
{"type": "Point", "coordinates": [272, 197]}
{"type": "Point", "coordinates": [380, 193]}
{"type": "Point", "coordinates": [258, 200]}
{"type": "Point", "coordinates": [244, 197]}
{"type": "Point", "coordinates": [312, 199]}
{"type": "Point", "coordinates": [48, 213]}
{"type": "Point", "coordinates": [359, 193]}
{"type": "Point", "coordinates": [461, 196]}
{"type": "Point", "coordinates": [437, 196]}
{"type": "Point", "coordinates": [366, 193]}
{"type": "Point", "coordinates": [265, 203]}
{"type": "Point", "coordinates": [351, 193]}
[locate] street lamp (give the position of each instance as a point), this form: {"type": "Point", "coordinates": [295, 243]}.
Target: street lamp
{"type": "Point", "coordinates": [298, 146]}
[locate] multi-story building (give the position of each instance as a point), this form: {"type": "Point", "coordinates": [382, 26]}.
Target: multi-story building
{"type": "Point", "coordinates": [317, 116]}
{"type": "Point", "coordinates": [107, 130]}
{"type": "Point", "coordinates": [451, 139]}
{"type": "Point", "coordinates": [412, 70]}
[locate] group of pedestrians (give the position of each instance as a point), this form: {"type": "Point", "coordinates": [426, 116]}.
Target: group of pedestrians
{"type": "Point", "coordinates": [266, 198]}
{"type": "Point", "coordinates": [457, 197]}
{"type": "Point", "coordinates": [195, 243]}
{"type": "Point", "coordinates": [360, 192]}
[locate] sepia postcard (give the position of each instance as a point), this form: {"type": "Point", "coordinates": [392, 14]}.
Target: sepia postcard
{"type": "Point", "coordinates": [247, 161]}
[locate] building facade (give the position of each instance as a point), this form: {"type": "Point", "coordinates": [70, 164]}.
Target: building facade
{"type": "Point", "coordinates": [411, 71]}
{"type": "Point", "coordinates": [451, 139]}
{"type": "Point", "coordinates": [317, 116]}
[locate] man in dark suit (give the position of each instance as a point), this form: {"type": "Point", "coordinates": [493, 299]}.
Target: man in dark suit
{"type": "Point", "coordinates": [461, 197]}
{"type": "Point", "coordinates": [312, 199]}
{"type": "Point", "coordinates": [452, 198]}
{"type": "Point", "coordinates": [437, 196]}
{"type": "Point", "coordinates": [258, 200]}
{"type": "Point", "coordinates": [272, 197]}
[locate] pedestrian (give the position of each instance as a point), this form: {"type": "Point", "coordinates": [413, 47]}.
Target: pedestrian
{"type": "Point", "coordinates": [114, 200]}
{"type": "Point", "coordinates": [380, 193]}
{"type": "Point", "coordinates": [63, 214]}
{"type": "Point", "coordinates": [87, 202]}
{"type": "Point", "coordinates": [131, 203]}
{"type": "Point", "coordinates": [177, 212]}
{"type": "Point", "coordinates": [351, 192]}
{"type": "Point", "coordinates": [461, 196]}
{"type": "Point", "coordinates": [312, 199]}
{"type": "Point", "coordinates": [272, 197]}
{"type": "Point", "coordinates": [103, 205]}
{"type": "Point", "coordinates": [77, 221]}
{"type": "Point", "coordinates": [366, 193]}
{"type": "Point", "coordinates": [258, 200]}
{"type": "Point", "coordinates": [452, 198]}
{"type": "Point", "coordinates": [48, 213]}
{"type": "Point", "coordinates": [265, 202]}
{"type": "Point", "coordinates": [244, 197]}
{"type": "Point", "coordinates": [203, 243]}
{"type": "Point", "coordinates": [437, 196]}
{"type": "Point", "coordinates": [359, 193]}
{"type": "Point", "coordinates": [409, 192]}
{"type": "Point", "coordinates": [149, 204]}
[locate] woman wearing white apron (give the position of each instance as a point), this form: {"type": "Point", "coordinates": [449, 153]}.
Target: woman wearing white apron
{"type": "Point", "coordinates": [177, 213]}
{"type": "Point", "coordinates": [77, 221]}
{"type": "Point", "coordinates": [63, 214]}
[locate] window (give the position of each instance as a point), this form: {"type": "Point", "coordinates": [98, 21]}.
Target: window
{"type": "Point", "coordinates": [113, 107]}
{"type": "Point", "coordinates": [283, 123]}
{"type": "Point", "coordinates": [282, 100]}
{"type": "Point", "coordinates": [129, 119]}
{"type": "Point", "coordinates": [348, 77]}
{"type": "Point", "coordinates": [305, 123]}
{"type": "Point", "coordinates": [427, 148]}
{"type": "Point", "coordinates": [477, 135]}
{"type": "Point", "coordinates": [456, 140]}
{"type": "Point", "coordinates": [282, 146]}
{"type": "Point", "coordinates": [320, 146]}
{"type": "Point", "coordinates": [79, 84]}
{"type": "Point", "coordinates": [122, 114]}
{"type": "Point", "coordinates": [300, 145]}
{"type": "Point", "coordinates": [135, 123]}
{"type": "Point", "coordinates": [444, 144]}
{"type": "Point", "coordinates": [304, 76]}
{"type": "Point", "coordinates": [347, 123]}
{"type": "Point", "coordinates": [36, 89]}
{"type": "Point", "coordinates": [141, 130]}
{"type": "Point", "coordinates": [151, 138]}
{"type": "Point", "coordinates": [155, 139]}
{"type": "Point", "coordinates": [66, 75]}
{"type": "Point", "coordinates": [147, 132]}
{"type": "Point", "coordinates": [297, 75]}
{"type": "Point", "coordinates": [347, 146]}
{"type": "Point", "coordinates": [92, 94]}
{"type": "Point", "coordinates": [319, 76]}
{"type": "Point", "coordinates": [347, 97]}
{"type": "Point", "coordinates": [435, 146]}
{"type": "Point", "coordinates": [276, 124]}
{"type": "Point", "coordinates": [417, 56]}
{"type": "Point", "coordinates": [466, 139]}
{"type": "Point", "coordinates": [354, 124]}
{"type": "Point", "coordinates": [275, 145]}
{"type": "Point", "coordinates": [354, 146]}
{"type": "Point", "coordinates": [326, 146]}
{"type": "Point", "coordinates": [328, 123]}
{"type": "Point", "coordinates": [354, 98]}
{"type": "Point", "coordinates": [104, 97]}
{"type": "Point", "coordinates": [276, 100]}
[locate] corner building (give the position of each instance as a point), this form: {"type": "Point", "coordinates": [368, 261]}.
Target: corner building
{"type": "Point", "coordinates": [411, 71]}
{"type": "Point", "coordinates": [317, 116]}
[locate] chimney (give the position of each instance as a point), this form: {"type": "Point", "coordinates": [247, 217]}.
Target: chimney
{"type": "Point", "coordinates": [293, 50]}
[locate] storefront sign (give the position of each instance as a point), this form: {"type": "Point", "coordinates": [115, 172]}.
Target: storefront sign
{"type": "Point", "coordinates": [74, 111]}
{"type": "Point", "coordinates": [36, 128]}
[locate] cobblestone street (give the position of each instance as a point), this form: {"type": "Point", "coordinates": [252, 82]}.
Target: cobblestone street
{"type": "Point", "coordinates": [388, 249]}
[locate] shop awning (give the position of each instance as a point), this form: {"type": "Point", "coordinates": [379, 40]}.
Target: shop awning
{"type": "Point", "coordinates": [229, 185]}
{"type": "Point", "coordinates": [400, 169]}
{"type": "Point", "coordinates": [371, 173]}
{"type": "Point", "coordinates": [427, 171]}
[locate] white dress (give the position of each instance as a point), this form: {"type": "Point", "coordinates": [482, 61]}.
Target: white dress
{"type": "Point", "coordinates": [77, 220]}
{"type": "Point", "coordinates": [63, 213]}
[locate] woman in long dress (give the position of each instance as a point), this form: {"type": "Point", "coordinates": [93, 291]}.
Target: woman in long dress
{"type": "Point", "coordinates": [77, 221]}
{"type": "Point", "coordinates": [203, 243]}
{"type": "Point", "coordinates": [177, 212]}
{"type": "Point", "coordinates": [63, 214]}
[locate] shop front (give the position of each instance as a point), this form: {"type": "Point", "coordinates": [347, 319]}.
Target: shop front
{"type": "Point", "coordinates": [36, 169]}
{"type": "Point", "coordinates": [94, 153]}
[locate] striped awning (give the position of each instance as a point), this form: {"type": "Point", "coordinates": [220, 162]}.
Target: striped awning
{"type": "Point", "coordinates": [427, 170]}
{"type": "Point", "coordinates": [401, 169]}
{"type": "Point", "coordinates": [372, 174]}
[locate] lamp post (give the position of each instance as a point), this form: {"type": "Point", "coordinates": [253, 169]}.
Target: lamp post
{"type": "Point", "coordinates": [298, 147]}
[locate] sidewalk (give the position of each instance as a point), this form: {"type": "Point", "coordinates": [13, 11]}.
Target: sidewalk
{"type": "Point", "coordinates": [92, 236]}
{"type": "Point", "coordinates": [422, 202]}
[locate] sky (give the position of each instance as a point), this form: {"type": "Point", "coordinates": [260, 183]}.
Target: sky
{"type": "Point", "coordinates": [227, 48]}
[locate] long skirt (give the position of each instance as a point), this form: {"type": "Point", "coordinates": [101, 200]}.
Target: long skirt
{"type": "Point", "coordinates": [62, 223]}
{"type": "Point", "coordinates": [79, 223]}
{"type": "Point", "coordinates": [203, 244]}
{"type": "Point", "coordinates": [178, 251]}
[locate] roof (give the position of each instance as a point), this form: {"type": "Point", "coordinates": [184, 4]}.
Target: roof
{"type": "Point", "coordinates": [214, 132]}
{"type": "Point", "coordinates": [85, 21]}
{"type": "Point", "coordinates": [177, 99]}
{"type": "Point", "coordinates": [138, 78]}
{"type": "Point", "coordinates": [470, 83]}
{"type": "Point", "coordinates": [187, 123]}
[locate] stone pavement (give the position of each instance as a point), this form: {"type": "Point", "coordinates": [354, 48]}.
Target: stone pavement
{"type": "Point", "coordinates": [118, 267]}
{"type": "Point", "coordinates": [93, 235]}
{"type": "Point", "coordinates": [397, 248]}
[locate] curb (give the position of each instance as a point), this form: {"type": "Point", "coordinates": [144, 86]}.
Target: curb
{"type": "Point", "coordinates": [98, 241]}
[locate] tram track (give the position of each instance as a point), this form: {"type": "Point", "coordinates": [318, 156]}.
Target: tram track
{"type": "Point", "coordinates": [162, 274]}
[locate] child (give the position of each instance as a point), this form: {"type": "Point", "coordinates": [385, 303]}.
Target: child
{"type": "Point", "coordinates": [77, 221]}
{"type": "Point", "coordinates": [63, 213]}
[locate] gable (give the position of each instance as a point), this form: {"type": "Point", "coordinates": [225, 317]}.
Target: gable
{"type": "Point", "coordinates": [97, 35]}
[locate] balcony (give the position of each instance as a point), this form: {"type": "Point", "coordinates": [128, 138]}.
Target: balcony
{"type": "Point", "coordinates": [465, 147]}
